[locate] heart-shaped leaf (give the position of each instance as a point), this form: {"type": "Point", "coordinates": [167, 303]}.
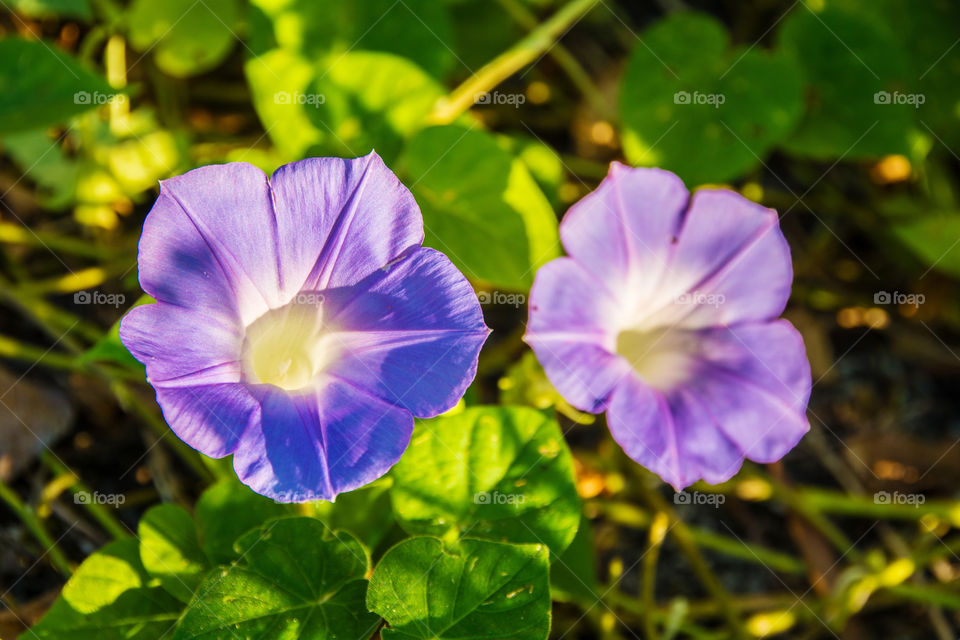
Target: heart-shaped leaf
{"type": "Point", "coordinates": [695, 106]}
{"type": "Point", "coordinates": [489, 472]}
{"type": "Point", "coordinates": [107, 599]}
{"type": "Point", "coordinates": [477, 589]}
{"type": "Point", "coordinates": [855, 72]}
{"type": "Point", "coordinates": [294, 579]}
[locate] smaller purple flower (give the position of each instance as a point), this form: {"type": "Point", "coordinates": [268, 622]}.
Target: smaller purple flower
{"type": "Point", "coordinates": [299, 324]}
{"type": "Point", "coordinates": [665, 315]}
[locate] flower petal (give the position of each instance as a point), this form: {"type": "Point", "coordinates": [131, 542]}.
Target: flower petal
{"type": "Point", "coordinates": [409, 334]}
{"type": "Point", "coordinates": [745, 397]}
{"type": "Point", "coordinates": [671, 435]}
{"type": "Point", "coordinates": [181, 347]}
{"type": "Point", "coordinates": [623, 232]}
{"type": "Point", "coordinates": [209, 243]}
{"type": "Point", "coordinates": [755, 384]}
{"type": "Point", "coordinates": [340, 220]}
{"type": "Point", "coordinates": [731, 265]}
{"type": "Point", "coordinates": [313, 446]}
{"type": "Point", "coordinates": [571, 329]}
{"type": "Point", "coordinates": [210, 418]}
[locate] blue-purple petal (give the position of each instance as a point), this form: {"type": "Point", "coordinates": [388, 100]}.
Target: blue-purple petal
{"type": "Point", "coordinates": [182, 347]}
{"type": "Point", "coordinates": [410, 334]}
{"type": "Point", "coordinates": [315, 445]}
{"type": "Point", "coordinates": [210, 418]}
{"type": "Point", "coordinates": [571, 328]}
{"type": "Point", "coordinates": [339, 220]}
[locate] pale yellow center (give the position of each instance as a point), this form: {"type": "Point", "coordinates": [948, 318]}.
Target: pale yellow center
{"type": "Point", "coordinates": [663, 358]}
{"type": "Point", "coordinates": [287, 347]}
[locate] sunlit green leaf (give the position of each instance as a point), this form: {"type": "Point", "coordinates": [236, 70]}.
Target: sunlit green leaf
{"type": "Point", "coordinates": [107, 599]}
{"type": "Point", "coordinates": [417, 30]}
{"type": "Point", "coordinates": [342, 105]}
{"type": "Point", "coordinates": [489, 472]}
{"type": "Point", "coordinates": [294, 579]}
{"type": "Point", "coordinates": [476, 589]}
{"type": "Point", "coordinates": [170, 551]}
{"type": "Point", "coordinates": [186, 37]}
{"type": "Point", "coordinates": [480, 205]}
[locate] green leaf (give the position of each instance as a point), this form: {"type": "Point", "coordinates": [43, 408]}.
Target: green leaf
{"type": "Point", "coordinates": [371, 100]}
{"type": "Point", "coordinates": [40, 85]}
{"type": "Point", "coordinates": [934, 240]}
{"type": "Point", "coordinates": [170, 551]}
{"type": "Point", "coordinates": [480, 205]}
{"type": "Point", "coordinates": [43, 160]}
{"type": "Point", "coordinates": [489, 472]}
{"type": "Point", "coordinates": [106, 599]}
{"type": "Point", "coordinates": [478, 589]}
{"type": "Point", "coordinates": [186, 37]}
{"type": "Point", "coordinates": [343, 104]}
{"type": "Point", "coordinates": [926, 33]}
{"type": "Point", "coordinates": [227, 510]}
{"type": "Point", "coordinates": [706, 112]}
{"type": "Point", "coordinates": [365, 512]}
{"type": "Point", "coordinates": [846, 59]}
{"type": "Point", "coordinates": [294, 579]}
{"type": "Point", "coordinates": [62, 8]}
{"type": "Point", "coordinates": [417, 30]}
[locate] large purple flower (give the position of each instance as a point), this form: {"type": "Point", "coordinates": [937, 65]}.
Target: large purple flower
{"type": "Point", "coordinates": [299, 324]}
{"type": "Point", "coordinates": [664, 315]}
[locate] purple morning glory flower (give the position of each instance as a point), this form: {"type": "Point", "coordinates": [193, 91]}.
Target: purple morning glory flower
{"type": "Point", "coordinates": [299, 324]}
{"type": "Point", "coordinates": [665, 315]}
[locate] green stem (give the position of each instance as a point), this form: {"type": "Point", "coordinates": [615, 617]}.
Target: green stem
{"type": "Point", "coordinates": [798, 502]}
{"type": "Point", "coordinates": [868, 506]}
{"type": "Point", "coordinates": [628, 515]}
{"type": "Point", "coordinates": [15, 350]}
{"type": "Point", "coordinates": [927, 594]}
{"type": "Point", "coordinates": [577, 74]}
{"type": "Point", "coordinates": [17, 234]}
{"type": "Point", "coordinates": [658, 531]}
{"type": "Point", "coordinates": [101, 514]}
{"type": "Point", "coordinates": [688, 546]}
{"type": "Point", "coordinates": [506, 64]}
{"type": "Point", "coordinates": [33, 523]}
